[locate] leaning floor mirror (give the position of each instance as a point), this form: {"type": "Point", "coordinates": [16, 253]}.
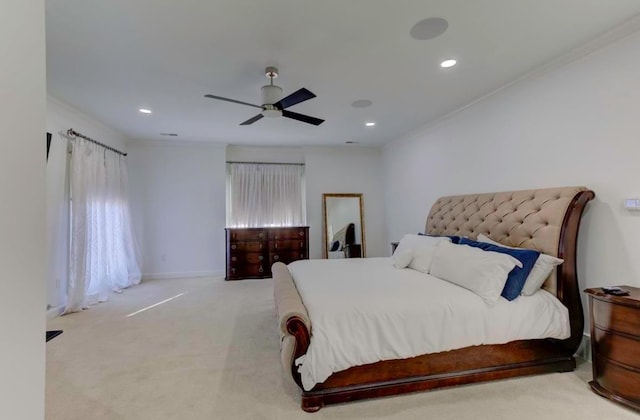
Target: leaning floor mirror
{"type": "Point", "coordinates": [343, 233]}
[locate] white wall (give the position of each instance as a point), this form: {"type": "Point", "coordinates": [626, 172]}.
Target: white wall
{"type": "Point", "coordinates": [22, 214]}
{"type": "Point", "coordinates": [177, 193]}
{"type": "Point", "coordinates": [575, 125]}
{"type": "Point", "coordinates": [61, 117]}
{"type": "Point", "coordinates": [265, 154]}
{"type": "Point", "coordinates": [346, 170]}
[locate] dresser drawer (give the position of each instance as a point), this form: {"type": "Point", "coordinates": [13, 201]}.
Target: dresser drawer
{"type": "Point", "coordinates": [616, 317]}
{"type": "Point", "coordinates": [287, 257]}
{"type": "Point", "coordinates": [236, 258]}
{"type": "Point", "coordinates": [246, 271]}
{"type": "Point", "coordinates": [617, 379]}
{"type": "Point", "coordinates": [289, 233]}
{"type": "Point", "coordinates": [287, 245]}
{"type": "Point", "coordinates": [248, 246]}
{"type": "Point", "coordinates": [247, 235]}
{"type": "Point", "coordinates": [616, 347]}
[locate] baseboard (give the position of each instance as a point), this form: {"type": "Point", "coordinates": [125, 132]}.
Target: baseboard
{"type": "Point", "coordinates": [584, 351]}
{"type": "Point", "coordinates": [184, 275]}
{"type": "Point", "coordinates": [54, 312]}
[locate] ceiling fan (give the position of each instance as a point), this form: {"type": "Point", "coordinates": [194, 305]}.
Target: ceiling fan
{"type": "Point", "coordinates": [273, 105]}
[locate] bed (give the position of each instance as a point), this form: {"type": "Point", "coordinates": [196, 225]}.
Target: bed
{"type": "Point", "coordinates": [545, 219]}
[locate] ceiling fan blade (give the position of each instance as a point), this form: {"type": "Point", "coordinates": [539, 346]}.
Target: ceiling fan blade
{"type": "Point", "coordinates": [231, 100]}
{"type": "Point", "coordinates": [296, 97]}
{"type": "Point", "coordinates": [301, 117]}
{"type": "Point", "coordinates": [252, 120]}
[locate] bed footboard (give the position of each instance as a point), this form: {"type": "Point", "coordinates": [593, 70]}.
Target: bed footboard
{"type": "Point", "coordinates": [293, 319]}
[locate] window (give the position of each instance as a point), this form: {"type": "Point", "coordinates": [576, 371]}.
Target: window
{"type": "Point", "coordinates": [265, 194]}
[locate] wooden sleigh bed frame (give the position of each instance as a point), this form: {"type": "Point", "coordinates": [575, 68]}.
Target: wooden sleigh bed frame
{"type": "Point", "coordinates": [546, 220]}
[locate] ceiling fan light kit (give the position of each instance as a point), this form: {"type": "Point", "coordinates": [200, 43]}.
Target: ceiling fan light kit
{"type": "Point", "coordinates": [271, 111]}
{"type": "Point", "coordinates": [273, 105]}
{"type": "Point", "coordinates": [271, 94]}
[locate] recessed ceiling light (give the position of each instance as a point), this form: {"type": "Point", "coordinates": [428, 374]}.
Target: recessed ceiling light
{"type": "Point", "coordinates": [370, 124]}
{"type": "Point", "coordinates": [352, 142]}
{"type": "Point", "coordinates": [169, 134]}
{"type": "Point", "coordinates": [145, 110]}
{"type": "Point", "coordinates": [448, 63]}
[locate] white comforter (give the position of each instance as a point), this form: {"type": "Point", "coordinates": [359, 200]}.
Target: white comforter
{"type": "Point", "coordinates": [364, 310]}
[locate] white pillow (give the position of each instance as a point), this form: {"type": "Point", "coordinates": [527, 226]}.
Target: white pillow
{"type": "Point", "coordinates": [402, 259]}
{"type": "Point", "coordinates": [483, 272]}
{"type": "Point", "coordinates": [540, 271]}
{"type": "Point", "coordinates": [412, 242]}
{"type": "Point", "coordinates": [422, 258]}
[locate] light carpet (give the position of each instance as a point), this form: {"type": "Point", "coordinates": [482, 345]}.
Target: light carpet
{"type": "Point", "coordinates": [213, 353]}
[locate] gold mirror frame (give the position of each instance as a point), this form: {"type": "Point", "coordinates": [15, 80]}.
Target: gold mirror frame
{"type": "Point", "coordinates": [325, 241]}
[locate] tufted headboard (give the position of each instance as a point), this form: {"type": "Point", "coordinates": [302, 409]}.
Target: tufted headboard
{"type": "Point", "coordinates": [536, 219]}
{"type": "Point", "coordinates": [547, 220]}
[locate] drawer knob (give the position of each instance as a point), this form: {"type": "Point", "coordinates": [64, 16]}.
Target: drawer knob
{"type": "Point", "coordinates": [234, 259]}
{"type": "Point", "coordinates": [276, 237]}
{"type": "Point", "coordinates": [233, 270]}
{"type": "Point", "coordinates": [276, 246]}
{"type": "Point", "coordinates": [301, 233]}
{"type": "Point", "coordinates": [261, 270]}
{"type": "Point", "coordinates": [275, 257]}
{"type": "Point", "coordinates": [301, 255]}
{"type": "Point", "coordinates": [233, 246]}
{"type": "Point", "coordinates": [260, 258]}
{"type": "Point", "coordinates": [260, 235]}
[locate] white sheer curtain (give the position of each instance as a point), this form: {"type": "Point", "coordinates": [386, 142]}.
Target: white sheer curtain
{"type": "Point", "coordinates": [265, 195]}
{"type": "Point", "coordinates": [103, 255]}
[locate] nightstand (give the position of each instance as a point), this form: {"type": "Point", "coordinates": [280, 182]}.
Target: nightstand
{"type": "Point", "coordinates": [615, 345]}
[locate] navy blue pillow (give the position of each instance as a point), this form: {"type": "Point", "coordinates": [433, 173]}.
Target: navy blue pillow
{"type": "Point", "coordinates": [454, 239]}
{"type": "Point", "coordinates": [517, 276]}
{"type": "Point", "coordinates": [335, 246]}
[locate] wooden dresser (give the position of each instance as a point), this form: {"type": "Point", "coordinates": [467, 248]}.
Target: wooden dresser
{"type": "Point", "coordinates": [615, 345]}
{"type": "Point", "coordinates": [252, 251]}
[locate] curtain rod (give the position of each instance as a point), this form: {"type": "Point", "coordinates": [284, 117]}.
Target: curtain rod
{"type": "Point", "coordinates": [268, 163]}
{"type": "Point", "coordinates": [71, 132]}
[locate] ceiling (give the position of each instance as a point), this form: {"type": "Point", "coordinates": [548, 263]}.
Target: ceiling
{"type": "Point", "coordinates": [110, 58]}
